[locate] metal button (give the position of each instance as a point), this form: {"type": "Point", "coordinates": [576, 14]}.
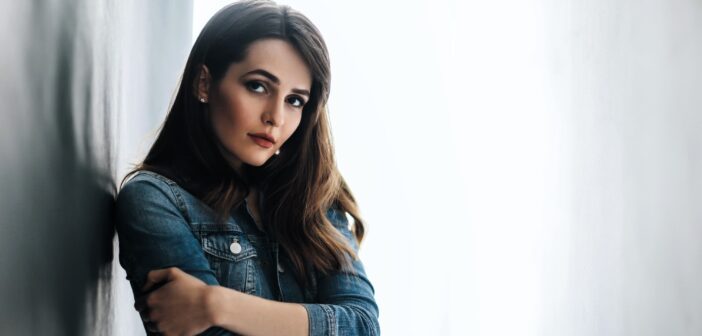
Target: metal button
{"type": "Point", "coordinates": [280, 268]}
{"type": "Point", "coordinates": [235, 248]}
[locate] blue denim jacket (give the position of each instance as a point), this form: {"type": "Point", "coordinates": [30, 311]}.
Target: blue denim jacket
{"type": "Point", "coordinates": [161, 225]}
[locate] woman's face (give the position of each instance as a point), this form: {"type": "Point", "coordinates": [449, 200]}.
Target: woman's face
{"type": "Point", "coordinates": [260, 97]}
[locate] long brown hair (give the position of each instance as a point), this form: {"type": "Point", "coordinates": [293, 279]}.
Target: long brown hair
{"type": "Point", "coordinates": [299, 185]}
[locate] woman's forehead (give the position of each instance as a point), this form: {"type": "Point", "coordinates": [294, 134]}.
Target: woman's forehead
{"type": "Point", "coordinates": [278, 58]}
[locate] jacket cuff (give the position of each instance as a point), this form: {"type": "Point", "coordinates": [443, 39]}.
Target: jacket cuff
{"type": "Point", "coordinates": [321, 319]}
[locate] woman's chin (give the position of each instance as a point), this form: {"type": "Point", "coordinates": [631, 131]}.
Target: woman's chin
{"type": "Point", "coordinates": [258, 160]}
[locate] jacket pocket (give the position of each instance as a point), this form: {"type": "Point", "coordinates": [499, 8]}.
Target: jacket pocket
{"type": "Point", "coordinates": [232, 258]}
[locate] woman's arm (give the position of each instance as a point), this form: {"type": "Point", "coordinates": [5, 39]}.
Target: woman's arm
{"type": "Point", "coordinates": [345, 304]}
{"type": "Point", "coordinates": [153, 234]}
{"type": "Point", "coordinates": [251, 315]}
{"type": "Point", "coordinates": [184, 304]}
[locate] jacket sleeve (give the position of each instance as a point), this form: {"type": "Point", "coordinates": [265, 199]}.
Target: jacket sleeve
{"type": "Point", "coordinates": [154, 234]}
{"type": "Point", "coordinates": [345, 302]}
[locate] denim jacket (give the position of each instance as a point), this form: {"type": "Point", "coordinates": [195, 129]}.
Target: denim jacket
{"type": "Point", "coordinates": [161, 225]}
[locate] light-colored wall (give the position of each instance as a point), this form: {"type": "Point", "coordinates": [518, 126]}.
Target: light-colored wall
{"type": "Point", "coordinates": [525, 167]}
{"type": "Point", "coordinates": [81, 82]}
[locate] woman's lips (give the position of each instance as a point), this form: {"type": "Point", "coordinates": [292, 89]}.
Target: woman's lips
{"type": "Point", "coordinates": [261, 141]}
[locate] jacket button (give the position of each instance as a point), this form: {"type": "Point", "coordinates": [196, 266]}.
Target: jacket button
{"type": "Point", "coordinates": [280, 268]}
{"type": "Point", "coordinates": [235, 248]}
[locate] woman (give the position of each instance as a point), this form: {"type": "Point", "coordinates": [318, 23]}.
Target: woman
{"type": "Point", "coordinates": [235, 222]}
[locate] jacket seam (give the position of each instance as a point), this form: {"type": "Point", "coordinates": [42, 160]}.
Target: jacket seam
{"type": "Point", "coordinates": [331, 320]}
{"type": "Point", "coordinates": [180, 202]}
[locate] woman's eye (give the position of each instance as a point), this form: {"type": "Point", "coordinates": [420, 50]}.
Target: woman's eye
{"type": "Point", "coordinates": [297, 102]}
{"type": "Point", "coordinates": [256, 87]}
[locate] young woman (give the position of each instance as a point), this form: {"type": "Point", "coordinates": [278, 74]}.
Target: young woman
{"type": "Point", "coordinates": [235, 222]}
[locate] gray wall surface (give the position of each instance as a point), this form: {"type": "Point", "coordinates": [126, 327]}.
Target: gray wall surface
{"type": "Point", "coordinates": [72, 71]}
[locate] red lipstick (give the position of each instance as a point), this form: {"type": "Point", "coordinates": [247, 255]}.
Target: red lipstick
{"type": "Point", "coordinates": [263, 139]}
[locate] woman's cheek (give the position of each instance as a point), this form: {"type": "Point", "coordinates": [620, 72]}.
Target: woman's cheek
{"type": "Point", "coordinates": [290, 131]}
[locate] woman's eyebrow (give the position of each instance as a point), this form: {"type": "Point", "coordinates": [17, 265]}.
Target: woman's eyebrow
{"type": "Point", "coordinates": [275, 80]}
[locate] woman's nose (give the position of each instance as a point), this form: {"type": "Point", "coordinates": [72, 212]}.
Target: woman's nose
{"type": "Point", "coordinates": [275, 113]}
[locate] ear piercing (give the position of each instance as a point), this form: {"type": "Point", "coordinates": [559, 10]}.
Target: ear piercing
{"type": "Point", "coordinates": [203, 100]}
{"type": "Point", "coordinates": [277, 151]}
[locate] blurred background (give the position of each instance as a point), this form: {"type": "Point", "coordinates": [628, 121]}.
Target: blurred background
{"type": "Point", "coordinates": [524, 167]}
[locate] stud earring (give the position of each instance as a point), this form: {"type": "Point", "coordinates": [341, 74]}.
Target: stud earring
{"type": "Point", "coordinates": [203, 100]}
{"type": "Point", "coordinates": [277, 152]}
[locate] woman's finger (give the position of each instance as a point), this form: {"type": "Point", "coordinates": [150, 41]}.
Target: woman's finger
{"type": "Point", "coordinates": [157, 276]}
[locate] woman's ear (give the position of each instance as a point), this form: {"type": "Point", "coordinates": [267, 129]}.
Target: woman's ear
{"type": "Point", "coordinates": [202, 84]}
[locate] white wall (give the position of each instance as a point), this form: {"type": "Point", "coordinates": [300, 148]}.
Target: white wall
{"type": "Point", "coordinates": [525, 167]}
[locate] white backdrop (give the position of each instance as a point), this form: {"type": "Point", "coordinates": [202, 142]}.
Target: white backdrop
{"type": "Point", "coordinates": [524, 167]}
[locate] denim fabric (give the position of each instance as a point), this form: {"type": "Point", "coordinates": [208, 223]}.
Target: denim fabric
{"type": "Point", "coordinates": [161, 225]}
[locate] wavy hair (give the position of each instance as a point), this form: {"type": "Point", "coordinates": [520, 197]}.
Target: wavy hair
{"type": "Point", "coordinates": [299, 185]}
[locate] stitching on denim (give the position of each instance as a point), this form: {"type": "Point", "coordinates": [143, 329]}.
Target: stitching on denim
{"type": "Point", "coordinates": [331, 319]}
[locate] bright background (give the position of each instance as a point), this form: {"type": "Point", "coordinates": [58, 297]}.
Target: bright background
{"type": "Point", "coordinates": [524, 167]}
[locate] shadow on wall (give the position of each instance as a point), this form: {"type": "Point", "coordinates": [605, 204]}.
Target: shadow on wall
{"type": "Point", "coordinates": [69, 70]}
{"type": "Point", "coordinates": [56, 177]}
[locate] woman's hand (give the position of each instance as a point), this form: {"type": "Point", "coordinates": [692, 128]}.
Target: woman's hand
{"type": "Point", "coordinates": [178, 307]}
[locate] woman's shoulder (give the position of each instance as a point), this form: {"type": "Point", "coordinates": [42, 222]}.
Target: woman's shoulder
{"type": "Point", "coordinates": [150, 191]}
{"type": "Point", "coordinates": [337, 217]}
{"type": "Point", "coordinates": [340, 220]}
{"type": "Point", "coordinates": [148, 203]}
{"type": "Point", "coordinates": [148, 187]}
{"type": "Point", "coordinates": [148, 177]}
